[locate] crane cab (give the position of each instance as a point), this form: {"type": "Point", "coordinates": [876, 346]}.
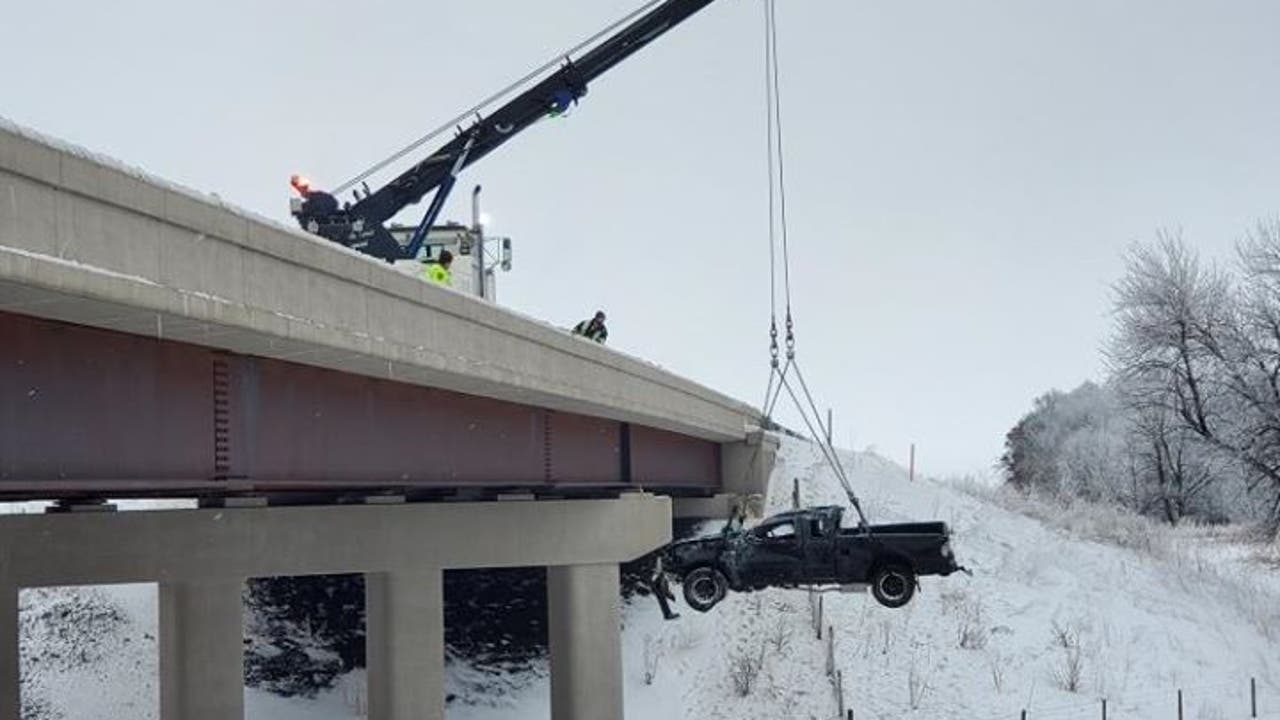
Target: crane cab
{"type": "Point", "coordinates": [467, 246]}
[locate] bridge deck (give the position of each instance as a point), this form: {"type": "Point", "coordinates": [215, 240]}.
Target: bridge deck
{"type": "Point", "coordinates": [87, 242]}
{"type": "Point", "coordinates": [242, 351]}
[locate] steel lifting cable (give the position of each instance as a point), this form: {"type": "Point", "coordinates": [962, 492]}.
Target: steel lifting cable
{"type": "Point", "coordinates": [835, 457]}
{"type": "Point", "coordinates": [782, 174]}
{"type": "Point", "coordinates": [777, 192]}
{"type": "Point", "coordinates": [475, 109]}
{"type": "Point", "coordinates": [778, 222]}
{"type": "Point", "coordinates": [773, 392]}
{"type": "Point", "coordinates": [769, 397]}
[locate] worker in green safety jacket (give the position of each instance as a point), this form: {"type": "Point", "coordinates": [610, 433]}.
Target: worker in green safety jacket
{"type": "Point", "coordinates": [437, 271]}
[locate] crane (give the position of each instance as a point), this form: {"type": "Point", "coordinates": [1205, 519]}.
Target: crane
{"type": "Point", "coordinates": [362, 225]}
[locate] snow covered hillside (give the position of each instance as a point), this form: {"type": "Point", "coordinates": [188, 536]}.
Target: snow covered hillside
{"type": "Point", "coordinates": [1046, 610]}
{"type": "Point", "coordinates": [1067, 605]}
{"type": "Point", "coordinates": [88, 652]}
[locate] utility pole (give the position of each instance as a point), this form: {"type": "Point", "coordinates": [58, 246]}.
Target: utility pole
{"type": "Point", "coordinates": [828, 427]}
{"type": "Point", "coordinates": [912, 471]}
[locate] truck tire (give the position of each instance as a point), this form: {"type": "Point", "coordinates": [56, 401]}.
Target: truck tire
{"type": "Point", "coordinates": [704, 587]}
{"type": "Point", "coordinates": [893, 585]}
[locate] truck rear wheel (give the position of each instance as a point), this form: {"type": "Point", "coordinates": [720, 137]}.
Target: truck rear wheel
{"type": "Point", "coordinates": [704, 588]}
{"type": "Point", "coordinates": [893, 585]}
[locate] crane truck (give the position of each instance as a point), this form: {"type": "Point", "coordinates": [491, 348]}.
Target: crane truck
{"type": "Point", "coordinates": [362, 224]}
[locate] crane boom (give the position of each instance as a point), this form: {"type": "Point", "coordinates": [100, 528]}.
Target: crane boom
{"type": "Point", "coordinates": [361, 225]}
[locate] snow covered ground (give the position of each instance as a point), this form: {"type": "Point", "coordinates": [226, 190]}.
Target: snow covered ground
{"type": "Point", "coordinates": [88, 653]}
{"type": "Point", "coordinates": [1062, 597]}
{"type": "Point", "coordinates": [1080, 599]}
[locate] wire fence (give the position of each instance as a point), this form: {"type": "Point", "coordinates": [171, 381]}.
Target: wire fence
{"type": "Point", "coordinates": [1250, 699]}
{"type": "Point", "coordinates": [1247, 697]}
{"type": "Point", "coordinates": [1244, 697]}
{"type": "Point", "coordinates": [1240, 698]}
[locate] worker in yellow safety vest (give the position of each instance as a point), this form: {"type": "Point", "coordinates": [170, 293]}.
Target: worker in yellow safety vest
{"type": "Point", "coordinates": [437, 271]}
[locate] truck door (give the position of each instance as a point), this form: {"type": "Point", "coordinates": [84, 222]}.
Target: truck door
{"type": "Point", "coordinates": [773, 556]}
{"type": "Point", "coordinates": [819, 550]}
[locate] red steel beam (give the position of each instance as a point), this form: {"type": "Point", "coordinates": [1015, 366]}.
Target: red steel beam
{"type": "Point", "coordinates": [85, 411]}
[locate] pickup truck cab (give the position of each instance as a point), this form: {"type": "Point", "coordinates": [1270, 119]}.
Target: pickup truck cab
{"type": "Point", "coordinates": [809, 548]}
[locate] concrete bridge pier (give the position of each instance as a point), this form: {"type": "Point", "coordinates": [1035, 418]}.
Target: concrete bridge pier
{"type": "Point", "coordinates": [404, 641]}
{"type": "Point", "coordinates": [202, 660]}
{"type": "Point", "coordinates": [201, 558]}
{"type": "Point", "coordinates": [10, 673]}
{"type": "Point", "coordinates": [584, 624]}
{"type": "Point", "coordinates": [201, 644]}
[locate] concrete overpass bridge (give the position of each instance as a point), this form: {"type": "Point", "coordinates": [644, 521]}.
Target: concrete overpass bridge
{"type": "Point", "coordinates": [155, 342]}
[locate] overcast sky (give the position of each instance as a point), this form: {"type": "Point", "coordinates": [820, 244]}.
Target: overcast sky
{"type": "Point", "coordinates": [964, 176]}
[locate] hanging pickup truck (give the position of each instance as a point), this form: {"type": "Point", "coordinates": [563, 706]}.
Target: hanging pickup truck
{"type": "Point", "coordinates": [809, 548]}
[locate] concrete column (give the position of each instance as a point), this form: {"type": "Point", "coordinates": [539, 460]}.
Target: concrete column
{"type": "Point", "coordinates": [201, 650]}
{"type": "Point", "coordinates": [586, 642]}
{"type": "Point", "coordinates": [404, 644]}
{"type": "Point", "coordinates": [10, 673]}
{"type": "Point", "coordinates": [745, 467]}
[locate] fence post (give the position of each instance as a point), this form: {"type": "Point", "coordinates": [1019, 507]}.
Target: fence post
{"type": "Point", "coordinates": [1179, 704]}
{"type": "Point", "coordinates": [831, 651]}
{"type": "Point", "coordinates": [848, 714]}
{"type": "Point", "coordinates": [840, 690]}
{"type": "Point", "coordinates": [795, 493]}
{"type": "Point", "coordinates": [1104, 709]}
{"type": "Point", "coordinates": [1024, 715]}
{"type": "Point", "coordinates": [819, 617]}
{"type": "Point", "coordinates": [1253, 697]}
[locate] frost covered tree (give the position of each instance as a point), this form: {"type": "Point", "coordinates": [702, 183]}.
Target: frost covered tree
{"type": "Point", "coordinates": [1188, 423]}
{"type": "Point", "coordinates": [1170, 312]}
{"type": "Point", "coordinates": [1253, 360]}
{"type": "Point", "coordinates": [1172, 470]}
{"type": "Point", "coordinates": [1094, 443]}
{"type": "Point", "coordinates": [1065, 445]}
{"type": "Point", "coordinates": [1093, 451]}
{"type": "Point", "coordinates": [1194, 346]}
{"type": "Point", "coordinates": [1031, 447]}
